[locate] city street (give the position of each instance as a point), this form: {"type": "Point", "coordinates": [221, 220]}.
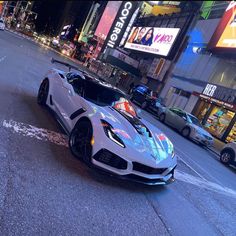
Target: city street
{"type": "Point", "coordinates": [44, 190]}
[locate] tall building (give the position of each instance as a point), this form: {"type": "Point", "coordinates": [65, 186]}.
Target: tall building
{"type": "Point", "coordinates": [147, 62]}
{"type": "Point", "coordinates": [203, 80]}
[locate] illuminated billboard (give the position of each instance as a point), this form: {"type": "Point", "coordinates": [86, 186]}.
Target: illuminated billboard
{"type": "Point", "coordinates": [107, 19]}
{"type": "Point", "coordinates": [152, 39]}
{"type": "Point", "coordinates": [224, 36]}
{"type": "Point", "coordinates": [120, 23]}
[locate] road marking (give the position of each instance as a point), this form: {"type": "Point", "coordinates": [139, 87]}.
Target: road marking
{"type": "Point", "coordinates": [2, 58]}
{"type": "Point", "coordinates": [204, 184]}
{"type": "Point", "coordinates": [195, 163]}
{"type": "Point", "coordinates": [62, 140]}
{"type": "Point", "coordinates": [190, 167]}
{"type": "Point", "coordinates": [38, 133]}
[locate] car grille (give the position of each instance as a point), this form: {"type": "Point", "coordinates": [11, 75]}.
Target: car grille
{"type": "Point", "coordinates": [146, 169]}
{"type": "Point", "coordinates": [142, 179]}
{"type": "Point", "coordinates": [110, 159]}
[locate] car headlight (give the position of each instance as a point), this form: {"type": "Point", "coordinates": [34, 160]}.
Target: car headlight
{"type": "Point", "coordinates": [173, 153]}
{"type": "Point", "coordinates": [108, 129]}
{"type": "Point", "coordinates": [170, 148]}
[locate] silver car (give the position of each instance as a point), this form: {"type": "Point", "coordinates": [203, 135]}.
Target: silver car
{"type": "Point", "coordinates": [2, 24]}
{"type": "Point", "coordinates": [187, 124]}
{"type": "Point", "coordinates": [228, 154]}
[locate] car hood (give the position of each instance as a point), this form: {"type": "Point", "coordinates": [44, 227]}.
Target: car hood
{"type": "Point", "coordinates": [201, 130]}
{"type": "Point", "coordinates": [138, 134]}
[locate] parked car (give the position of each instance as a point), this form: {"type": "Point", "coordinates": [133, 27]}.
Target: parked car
{"type": "Point", "coordinates": [142, 95]}
{"type": "Point", "coordinates": [228, 154]}
{"type": "Point", "coordinates": [156, 106]}
{"type": "Point", "coordinates": [2, 24]}
{"type": "Point", "coordinates": [187, 124]}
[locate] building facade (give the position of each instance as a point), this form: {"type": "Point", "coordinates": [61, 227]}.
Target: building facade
{"type": "Point", "coordinates": [203, 80]}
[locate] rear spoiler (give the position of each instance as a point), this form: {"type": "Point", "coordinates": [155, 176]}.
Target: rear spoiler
{"type": "Point", "coordinates": [74, 67]}
{"type": "Point", "coordinates": [66, 64]}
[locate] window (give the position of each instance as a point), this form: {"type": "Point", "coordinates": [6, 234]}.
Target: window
{"type": "Point", "coordinates": [76, 81]}
{"type": "Point", "coordinates": [213, 9]}
{"type": "Point", "coordinates": [181, 22]}
{"type": "Point", "coordinates": [141, 89]}
{"type": "Point", "coordinates": [194, 120]}
{"type": "Point", "coordinates": [225, 73]}
{"type": "Point", "coordinates": [185, 94]}
{"type": "Point", "coordinates": [218, 121]}
{"type": "Point", "coordinates": [180, 114]}
{"type": "Point", "coordinates": [101, 95]}
{"type": "Point", "coordinates": [172, 23]}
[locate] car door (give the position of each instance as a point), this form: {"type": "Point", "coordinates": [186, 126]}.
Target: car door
{"type": "Point", "coordinates": [181, 120]}
{"type": "Point", "coordinates": [173, 117]}
{"type": "Point", "coordinates": [69, 100]}
{"type": "Point", "coordinates": [170, 116]}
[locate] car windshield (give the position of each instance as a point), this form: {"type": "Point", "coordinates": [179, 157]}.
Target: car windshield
{"type": "Point", "coordinates": [194, 120]}
{"type": "Point", "coordinates": [102, 95]}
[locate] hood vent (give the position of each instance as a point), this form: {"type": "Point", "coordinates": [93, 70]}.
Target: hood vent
{"type": "Point", "coordinates": [136, 123]}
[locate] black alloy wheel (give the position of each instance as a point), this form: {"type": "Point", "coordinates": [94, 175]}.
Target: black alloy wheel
{"type": "Point", "coordinates": [162, 117]}
{"type": "Point", "coordinates": [186, 132]}
{"type": "Point", "coordinates": [80, 141]}
{"type": "Point", "coordinates": [43, 92]}
{"type": "Point", "coordinates": [226, 156]}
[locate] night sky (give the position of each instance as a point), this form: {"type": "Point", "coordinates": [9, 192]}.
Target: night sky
{"type": "Point", "coordinates": [54, 13]}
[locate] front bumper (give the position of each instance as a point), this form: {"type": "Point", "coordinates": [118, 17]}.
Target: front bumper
{"type": "Point", "coordinates": [118, 167]}
{"type": "Point", "coordinates": [203, 140]}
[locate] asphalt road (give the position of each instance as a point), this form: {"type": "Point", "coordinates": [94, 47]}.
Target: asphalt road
{"type": "Point", "coordinates": [44, 190]}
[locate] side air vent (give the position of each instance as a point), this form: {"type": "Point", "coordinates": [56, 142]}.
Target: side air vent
{"type": "Point", "coordinates": [62, 76]}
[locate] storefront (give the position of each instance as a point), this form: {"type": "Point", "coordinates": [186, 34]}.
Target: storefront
{"type": "Point", "coordinates": [216, 109]}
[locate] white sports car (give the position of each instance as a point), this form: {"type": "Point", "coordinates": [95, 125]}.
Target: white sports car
{"type": "Point", "coordinates": [104, 129]}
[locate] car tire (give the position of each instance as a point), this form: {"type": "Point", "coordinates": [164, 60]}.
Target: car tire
{"type": "Point", "coordinates": [186, 132]}
{"type": "Point", "coordinates": [80, 141]}
{"type": "Point", "coordinates": [43, 92]}
{"type": "Point", "coordinates": [226, 156]}
{"type": "Point", "coordinates": [144, 105]}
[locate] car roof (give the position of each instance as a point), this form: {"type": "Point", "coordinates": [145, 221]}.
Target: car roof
{"type": "Point", "coordinates": [89, 77]}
